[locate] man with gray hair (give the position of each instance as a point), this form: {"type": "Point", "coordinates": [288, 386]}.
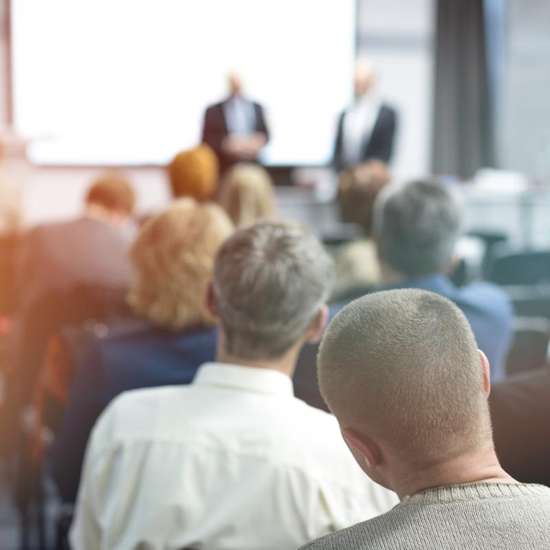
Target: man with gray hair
{"type": "Point", "coordinates": [234, 460]}
{"type": "Point", "coordinates": [401, 371]}
{"type": "Point", "coordinates": [416, 228]}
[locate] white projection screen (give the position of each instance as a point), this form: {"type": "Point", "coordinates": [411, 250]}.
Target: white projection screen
{"type": "Point", "coordinates": [125, 82]}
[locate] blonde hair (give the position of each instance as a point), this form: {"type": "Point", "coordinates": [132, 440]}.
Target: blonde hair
{"type": "Point", "coordinates": [194, 173]}
{"type": "Point", "coordinates": [247, 194]}
{"type": "Point", "coordinates": [173, 258]}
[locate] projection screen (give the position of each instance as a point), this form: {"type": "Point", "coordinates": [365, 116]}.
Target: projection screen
{"type": "Point", "coordinates": [126, 82]}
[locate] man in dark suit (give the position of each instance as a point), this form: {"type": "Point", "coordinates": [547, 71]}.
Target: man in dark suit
{"type": "Point", "coordinates": [235, 128]}
{"type": "Point", "coordinates": [63, 259]}
{"type": "Point", "coordinates": [366, 129]}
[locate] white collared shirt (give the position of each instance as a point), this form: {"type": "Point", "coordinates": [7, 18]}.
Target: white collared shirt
{"type": "Point", "coordinates": [359, 121]}
{"type": "Point", "coordinates": [239, 116]}
{"type": "Point", "coordinates": [232, 461]}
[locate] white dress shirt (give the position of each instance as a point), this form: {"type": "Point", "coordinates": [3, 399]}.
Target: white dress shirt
{"type": "Point", "coordinates": [232, 461]}
{"type": "Point", "coordinates": [239, 116]}
{"type": "Point", "coordinates": [359, 121]}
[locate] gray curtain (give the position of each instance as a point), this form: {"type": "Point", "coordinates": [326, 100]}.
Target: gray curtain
{"type": "Point", "coordinates": [463, 126]}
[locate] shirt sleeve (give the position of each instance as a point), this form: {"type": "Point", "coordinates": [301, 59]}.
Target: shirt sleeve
{"type": "Point", "coordinates": [86, 532]}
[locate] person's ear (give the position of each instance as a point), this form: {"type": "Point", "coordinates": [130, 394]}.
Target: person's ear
{"type": "Point", "coordinates": [486, 370]}
{"type": "Point", "coordinates": [363, 448]}
{"type": "Point", "coordinates": [211, 304]}
{"type": "Point", "coordinates": [455, 262]}
{"type": "Point", "coordinates": [317, 325]}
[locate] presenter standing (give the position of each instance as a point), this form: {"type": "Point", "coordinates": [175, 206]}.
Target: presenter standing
{"type": "Point", "coordinates": [235, 128]}
{"type": "Point", "coordinates": [366, 129]}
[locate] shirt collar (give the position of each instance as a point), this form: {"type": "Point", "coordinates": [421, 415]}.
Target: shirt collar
{"type": "Point", "coordinates": [252, 379]}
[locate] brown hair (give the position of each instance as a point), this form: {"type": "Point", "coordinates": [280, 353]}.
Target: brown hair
{"type": "Point", "coordinates": [357, 191]}
{"type": "Point", "coordinates": [194, 173]}
{"type": "Point", "coordinates": [114, 192]}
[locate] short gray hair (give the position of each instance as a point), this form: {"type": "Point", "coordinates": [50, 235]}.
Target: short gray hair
{"type": "Point", "coordinates": [270, 280]}
{"type": "Point", "coordinates": [416, 227]}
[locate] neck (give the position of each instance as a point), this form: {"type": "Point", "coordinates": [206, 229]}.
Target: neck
{"type": "Point", "coordinates": [479, 465]}
{"type": "Point", "coordinates": [100, 213]}
{"type": "Point", "coordinates": [389, 275]}
{"type": "Point", "coordinates": [284, 364]}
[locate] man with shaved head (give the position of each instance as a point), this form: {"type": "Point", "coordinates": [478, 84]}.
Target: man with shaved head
{"type": "Point", "coordinates": [401, 371]}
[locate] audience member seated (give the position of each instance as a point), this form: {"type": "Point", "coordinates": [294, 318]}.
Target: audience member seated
{"type": "Point", "coordinates": [416, 228]}
{"type": "Point", "coordinates": [520, 410]}
{"type": "Point", "coordinates": [194, 173]}
{"type": "Point", "coordinates": [10, 206]}
{"type": "Point", "coordinates": [234, 460]}
{"type": "Point", "coordinates": [247, 194]}
{"type": "Point", "coordinates": [357, 262]}
{"type": "Point", "coordinates": [402, 373]}
{"type": "Point", "coordinates": [173, 332]}
{"type": "Point", "coordinates": [58, 258]}
{"type": "Point", "coordinates": [10, 225]}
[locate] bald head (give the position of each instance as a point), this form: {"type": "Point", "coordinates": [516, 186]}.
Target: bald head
{"type": "Point", "coordinates": [364, 78]}
{"type": "Point", "coordinates": [235, 83]}
{"type": "Point", "coordinates": [403, 367]}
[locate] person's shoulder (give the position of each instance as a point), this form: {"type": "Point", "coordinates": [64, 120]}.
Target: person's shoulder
{"type": "Point", "coordinates": [147, 399]}
{"type": "Point", "coordinates": [388, 109]}
{"type": "Point", "coordinates": [135, 412]}
{"type": "Point", "coordinates": [45, 229]}
{"type": "Point", "coordinates": [214, 107]}
{"type": "Point", "coordinates": [324, 438]}
{"type": "Point", "coordinates": [488, 295]}
{"type": "Point", "coordinates": [351, 538]}
{"type": "Point", "coordinates": [318, 426]}
{"type": "Point", "coordinates": [313, 414]}
{"type": "Point", "coordinates": [138, 408]}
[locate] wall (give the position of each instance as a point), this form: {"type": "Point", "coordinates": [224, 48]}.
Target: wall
{"type": "Point", "coordinates": [396, 34]}
{"type": "Point", "coordinates": [54, 193]}
{"type": "Point", "coordinates": [524, 122]}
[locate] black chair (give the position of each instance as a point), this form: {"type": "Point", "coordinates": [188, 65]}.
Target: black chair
{"type": "Point", "coordinates": [520, 409]}
{"type": "Point", "coordinates": [530, 301]}
{"type": "Point", "coordinates": [493, 240]}
{"type": "Point", "coordinates": [530, 345]}
{"type": "Point", "coordinates": [306, 386]}
{"type": "Point", "coordinates": [45, 318]}
{"type": "Point", "coordinates": [527, 267]}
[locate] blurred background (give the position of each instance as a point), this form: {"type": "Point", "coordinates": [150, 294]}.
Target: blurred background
{"type": "Point", "coordinates": [89, 85]}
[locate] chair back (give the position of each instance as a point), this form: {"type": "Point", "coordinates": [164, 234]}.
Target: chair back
{"type": "Point", "coordinates": [527, 267]}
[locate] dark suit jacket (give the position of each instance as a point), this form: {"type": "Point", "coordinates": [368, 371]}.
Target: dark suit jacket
{"type": "Point", "coordinates": [215, 129]}
{"type": "Point", "coordinates": [380, 143]}
{"type": "Point", "coordinates": [63, 255]}
{"type": "Point", "coordinates": [57, 261]}
{"type": "Point", "coordinates": [520, 411]}
{"type": "Point", "coordinates": [121, 356]}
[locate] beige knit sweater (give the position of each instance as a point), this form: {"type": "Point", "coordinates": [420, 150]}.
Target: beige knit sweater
{"type": "Point", "coordinates": [477, 516]}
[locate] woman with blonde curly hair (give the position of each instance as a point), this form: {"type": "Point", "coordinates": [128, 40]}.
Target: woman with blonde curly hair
{"type": "Point", "coordinates": [173, 258]}
{"type": "Point", "coordinates": [247, 194]}
{"type": "Point", "coordinates": [174, 334]}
